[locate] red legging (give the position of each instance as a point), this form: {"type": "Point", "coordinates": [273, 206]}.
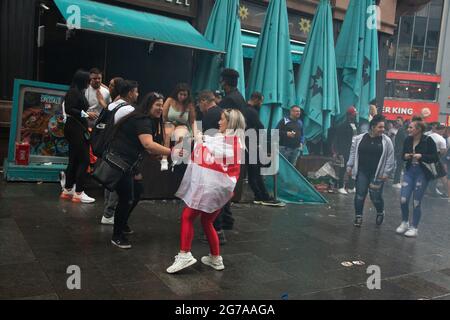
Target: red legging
{"type": "Point", "coordinates": [187, 229]}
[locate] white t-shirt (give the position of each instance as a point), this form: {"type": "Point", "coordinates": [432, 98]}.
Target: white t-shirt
{"type": "Point", "coordinates": [439, 140]}
{"type": "Point", "coordinates": [91, 96]}
{"type": "Point", "coordinates": [122, 112]}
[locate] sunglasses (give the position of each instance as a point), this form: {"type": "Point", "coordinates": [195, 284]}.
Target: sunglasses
{"type": "Point", "coordinates": [157, 95]}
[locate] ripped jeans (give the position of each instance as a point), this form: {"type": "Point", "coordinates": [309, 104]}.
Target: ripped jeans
{"type": "Point", "coordinates": [414, 181]}
{"type": "Point", "coordinates": [364, 184]}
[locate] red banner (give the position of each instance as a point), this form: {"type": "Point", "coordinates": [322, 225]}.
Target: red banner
{"type": "Point", "coordinates": [448, 121]}
{"type": "Point", "coordinates": [429, 111]}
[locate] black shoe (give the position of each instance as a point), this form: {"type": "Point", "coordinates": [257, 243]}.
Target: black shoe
{"type": "Point", "coordinates": [271, 202]}
{"type": "Point", "coordinates": [121, 242]}
{"type": "Point", "coordinates": [127, 230]}
{"type": "Point", "coordinates": [358, 221]}
{"type": "Point", "coordinates": [380, 218]}
{"type": "Point", "coordinates": [222, 239]}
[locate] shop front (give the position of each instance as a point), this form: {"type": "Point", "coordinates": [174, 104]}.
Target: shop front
{"type": "Point", "coordinates": [154, 49]}
{"type": "Point", "coordinates": [411, 94]}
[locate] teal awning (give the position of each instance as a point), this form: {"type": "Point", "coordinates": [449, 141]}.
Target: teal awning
{"type": "Point", "coordinates": [250, 40]}
{"type": "Point", "coordinates": [113, 20]}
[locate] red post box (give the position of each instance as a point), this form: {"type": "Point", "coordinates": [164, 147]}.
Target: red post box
{"type": "Point", "coordinates": [22, 153]}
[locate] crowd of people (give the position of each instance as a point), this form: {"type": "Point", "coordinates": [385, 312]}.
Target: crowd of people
{"type": "Point", "coordinates": [214, 126]}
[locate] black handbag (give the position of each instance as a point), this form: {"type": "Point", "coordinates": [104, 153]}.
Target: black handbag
{"type": "Point", "coordinates": [110, 169]}
{"type": "Point", "coordinates": [436, 169]}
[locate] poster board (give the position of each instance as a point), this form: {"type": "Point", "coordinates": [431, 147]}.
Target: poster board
{"type": "Point", "coordinates": [37, 118]}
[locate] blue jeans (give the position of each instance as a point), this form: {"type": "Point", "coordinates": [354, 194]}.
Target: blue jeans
{"type": "Point", "coordinates": [414, 181]}
{"type": "Point", "coordinates": [365, 184]}
{"type": "Point", "coordinates": [291, 154]}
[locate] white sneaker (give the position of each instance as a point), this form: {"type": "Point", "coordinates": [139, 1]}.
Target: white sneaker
{"type": "Point", "coordinates": [397, 186]}
{"type": "Point", "coordinates": [182, 261]}
{"type": "Point", "coordinates": [109, 221]}
{"type": "Point", "coordinates": [412, 232]}
{"type": "Point", "coordinates": [82, 197]}
{"type": "Point", "coordinates": [164, 165]}
{"type": "Point", "coordinates": [214, 262]}
{"type": "Point", "coordinates": [351, 190]}
{"type": "Point", "coordinates": [342, 191]}
{"type": "Point", "coordinates": [402, 228]}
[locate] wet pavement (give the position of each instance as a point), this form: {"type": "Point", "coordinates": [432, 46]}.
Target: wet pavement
{"type": "Point", "coordinates": [291, 253]}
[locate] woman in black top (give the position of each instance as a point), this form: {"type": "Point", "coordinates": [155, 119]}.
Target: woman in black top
{"type": "Point", "coordinates": [371, 162]}
{"type": "Point", "coordinates": [418, 150]}
{"type": "Point", "coordinates": [140, 131]}
{"type": "Point", "coordinates": [76, 133]}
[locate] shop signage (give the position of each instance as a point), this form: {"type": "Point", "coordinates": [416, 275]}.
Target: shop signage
{"type": "Point", "coordinates": [408, 109]}
{"type": "Point", "coordinates": [179, 7]}
{"type": "Point", "coordinates": [252, 18]}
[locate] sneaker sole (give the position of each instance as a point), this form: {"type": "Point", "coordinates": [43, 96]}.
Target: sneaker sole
{"type": "Point", "coordinates": [85, 201]}
{"type": "Point", "coordinates": [257, 202]}
{"type": "Point", "coordinates": [184, 267]}
{"type": "Point", "coordinates": [218, 268]}
{"type": "Point", "coordinates": [65, 197]}
{"type": "Point", "coordinates": [107, 223]}
{"type": "Point", "coordinates": [121, 246]}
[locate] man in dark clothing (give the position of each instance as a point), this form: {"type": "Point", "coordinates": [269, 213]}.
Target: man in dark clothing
{"type": "Point", "coordinates": [233, 98]}
{"type": "Point", "coordinates": [211, 113]}
{"type": "Point", "coordinates": [341, 145]}
{"type": "Point", "coordinates": [398, 151]}
{"type": "Point", "coordinates": [291, 135]}
{"type": "Point", "coordinates": [255, 179]}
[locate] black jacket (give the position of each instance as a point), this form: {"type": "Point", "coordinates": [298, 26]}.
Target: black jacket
{"type": "Point", "coordinates": [233, 100]}
{"type": "Point", "coordinates": [291, 125]}
{"type": "Point", "coordinates": [342, 139]}
{"type": "Point", "coordinates": [252, 122]}
{"type": "Point", "coordinates": [74, 102]}
{"type": "Point", "coordinates": [426, 147]}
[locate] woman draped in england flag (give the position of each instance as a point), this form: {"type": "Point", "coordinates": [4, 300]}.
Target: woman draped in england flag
{"type": "Point", "coordinates": [208, 185]}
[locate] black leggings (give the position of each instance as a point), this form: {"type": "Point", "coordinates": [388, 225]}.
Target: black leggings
{"type": "Point", "coordinates": [129, 192]}
{"type": "Point", "coordinates": [78, 156]}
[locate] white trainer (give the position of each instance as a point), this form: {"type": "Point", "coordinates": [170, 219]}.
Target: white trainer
{"type": "Point", "coordinates": [351, 190]}
{"type": "Point", "coordinates": [182, 261]}
{"type": "Point", "coordinates": [402, 228]}
{"type": "Point", "coordinates": [164, 165]}
{"type": "Point", "coordinates": [214, 262]}
{"type": "Point", "coordinates": [82, 197]}
{"type": "Point", "coordinates": [108, 221]}
{"type": "Point", "coordinates": [342, 191]}
{"type": "Point", "coordinates": [411, 233]}
{"type": "Point", "coordinates": [397, 186]}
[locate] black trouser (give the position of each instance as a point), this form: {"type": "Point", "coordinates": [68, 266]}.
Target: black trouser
{"type": "Point", "coordinates": [399, 164]}
{"type": "Point", "coordinates": [256, 182]}
{"type": "Point", "coordinates": [129, 191]}
{"type": "Point", "coordinates": [342, 172]}
{"type": "Point", "coordinates": [225, 219]}
{"type": "Point", "coordinates": [78, 156]}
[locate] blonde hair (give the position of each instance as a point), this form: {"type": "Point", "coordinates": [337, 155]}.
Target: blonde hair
{"type": "Point", "coordinates": [236, 124]}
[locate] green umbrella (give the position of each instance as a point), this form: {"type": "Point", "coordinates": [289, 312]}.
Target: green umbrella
{"type": "Point", "coordinates": [271, 71]}
{"type": "Point", "coordinates": [224, 30]}
{"type": "Point", "coordinates": [272, 74]}
{"type": "Point", "coordinates": [357, 57]}
{"type": "Point", "coordinates": [317, 88]}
